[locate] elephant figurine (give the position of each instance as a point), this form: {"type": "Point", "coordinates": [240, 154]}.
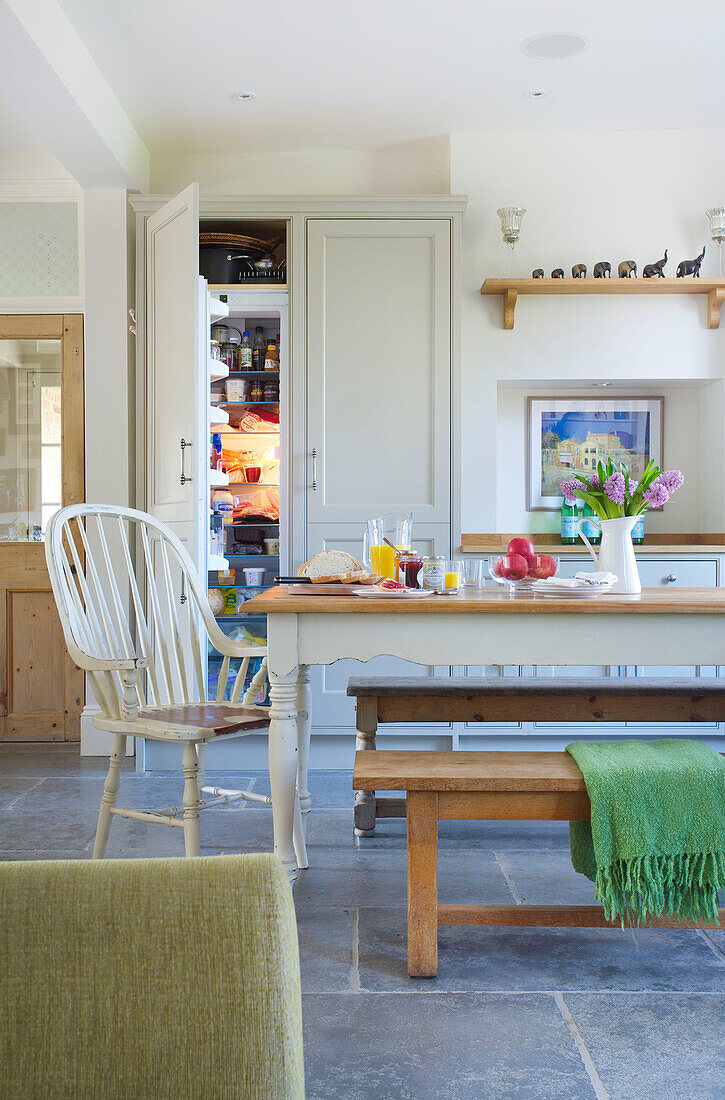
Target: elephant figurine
{"type": "Point", "coordinates": [579, 271]}
{"type": "Point", "coordinates": [691, 267]}
{"type": "Point", "coordinates": [603, 270]}
{"type": "Point", "coordinates": [627, 269]}
{"type": "Point", "coordinates": [538, 274]}
{"type": "Point", "coordinates": [655, 271]}
{"type": "Point", "coordinates": [558, 273]}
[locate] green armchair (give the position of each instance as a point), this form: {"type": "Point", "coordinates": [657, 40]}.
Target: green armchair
{"type": "Point", "coordinates": [154, 979]}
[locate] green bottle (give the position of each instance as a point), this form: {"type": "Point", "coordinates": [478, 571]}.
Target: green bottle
{"type": "Point", "coordinates": [592, 530]}
{"type": "Point", "coordinates": [569, 520]}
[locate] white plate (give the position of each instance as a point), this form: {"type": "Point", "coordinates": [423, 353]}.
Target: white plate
{"type": "Point", "coordinates": [392, 594]}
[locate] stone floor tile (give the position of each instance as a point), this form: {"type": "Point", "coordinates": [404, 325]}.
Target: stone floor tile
{"type": "Point", "coordinates": [541, 959]}
{"type": "Point", "coordinates": [50, 760]}
{"type": "Point", "coordinates": [353, 878]}
{"type": "Point", "coordinates": [39, 853]}
{"type": "Point", "coordinates": [450, 1047]}
{"type": "Point", "coordinates": [542, 877]}
{"type": "Point", "coordinates": [654, 1045]}
{"type": "Point", "coordinates": [14, 787]}
{"type": "Point", "coordinates": [57, 813]}
{"type": "Point", "coordinates": [326, 950]}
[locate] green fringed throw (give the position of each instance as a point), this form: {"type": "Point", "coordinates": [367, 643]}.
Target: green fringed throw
{"type": "Point", "coordinates": [656, 841]}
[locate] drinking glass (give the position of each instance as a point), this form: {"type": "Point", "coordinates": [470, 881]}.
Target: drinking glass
{"type": "Point", "coordinates": [473, 573]}
{"type": "Point", "coordinates": [452, 579]}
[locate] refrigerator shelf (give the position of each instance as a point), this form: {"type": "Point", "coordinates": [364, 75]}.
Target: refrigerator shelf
{"type": "Point", "coordinates": [217, 370]}
{"type": "Point", "coordinates": [254, 373]}
{"type": "Point", "coordinates": [217, 309]}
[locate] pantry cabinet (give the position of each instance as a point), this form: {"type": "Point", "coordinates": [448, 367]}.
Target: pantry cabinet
{"type": "Point", "coordinates": [379, 369]}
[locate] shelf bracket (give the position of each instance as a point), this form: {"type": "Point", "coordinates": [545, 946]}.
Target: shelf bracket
{"type": "Point", "coordinates": [715, 300]}
{"type": "Point", "coordinates": [509, 306]}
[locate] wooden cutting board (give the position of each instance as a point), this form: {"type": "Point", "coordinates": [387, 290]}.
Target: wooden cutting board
{"type": "Point", "coordinates": [332, 589]}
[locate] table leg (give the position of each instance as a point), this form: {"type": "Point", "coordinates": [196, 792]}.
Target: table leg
{"type": "Point", "coordinates": [283, 763]}
{"type": "Point", "coordinates": [366, 723]}
{"type": "Point", "coordinates": [422, 884]}
{"type": "Point", "coordinates": [304, 720]}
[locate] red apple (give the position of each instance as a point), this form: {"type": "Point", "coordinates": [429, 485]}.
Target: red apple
{"type": "Point", "coordinates": [522, 546]}
{"type": "Point", "coordinates": [542, 566]}
{"type": "Point", "coordinates": [497, 565]}
{"type": "Point", "coordinates": [514, 567]}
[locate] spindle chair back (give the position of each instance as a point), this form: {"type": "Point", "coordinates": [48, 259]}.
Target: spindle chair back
{"type": "Point", "coordinates": [135, 617]}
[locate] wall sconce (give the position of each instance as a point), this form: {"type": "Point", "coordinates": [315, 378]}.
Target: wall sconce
{"type": "Point", "coordinates": [717, 231]}
{"type": "Point", "coordinates": [511, 228]}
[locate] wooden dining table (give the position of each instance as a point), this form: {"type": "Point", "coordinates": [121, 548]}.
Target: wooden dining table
{"type": "Point", "coordinates": [683, 626]}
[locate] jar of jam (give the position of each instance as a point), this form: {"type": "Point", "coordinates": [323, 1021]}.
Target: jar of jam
{"type": "Point", "coordinates": [433, 574]}
{"type": "Point", "coordinates": [409, 566]}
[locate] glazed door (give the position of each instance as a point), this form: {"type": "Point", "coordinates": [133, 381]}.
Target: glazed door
{"type": "Point", "coordinates": [41, 468]}
{"type": "Point", "coordinates": [173, 385]}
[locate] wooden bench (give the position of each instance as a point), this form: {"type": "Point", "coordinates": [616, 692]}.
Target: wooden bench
{"type": "Point", "coordinates": [490, 786]}
{"type": "Point", "coordinates": [545, 699]}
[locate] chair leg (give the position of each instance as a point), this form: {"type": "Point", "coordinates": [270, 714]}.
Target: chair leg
{"type": "Point", "coordinates": [201, 756]}
{"type": "Point", "coordinates": [110, 791]}
{"type": "Point", "coordinates": [366, 729]}
{"type": "Point", "coordinates": [298, 837]}
{"type": "Point", "coordinates": [192, 833]}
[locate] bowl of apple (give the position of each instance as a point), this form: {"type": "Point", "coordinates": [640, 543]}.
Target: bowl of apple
{"type": "Point", "coordinates": [521, 566]}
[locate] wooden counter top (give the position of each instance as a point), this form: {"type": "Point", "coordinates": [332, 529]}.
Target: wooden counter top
{"type": "Point", "coordinates": [494, 543]}
{"type": "Point", "coordinates": [671, 601]}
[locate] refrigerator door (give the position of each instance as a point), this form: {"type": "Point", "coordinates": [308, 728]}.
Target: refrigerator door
{"type": "Point", "coordinates": [176, 445]}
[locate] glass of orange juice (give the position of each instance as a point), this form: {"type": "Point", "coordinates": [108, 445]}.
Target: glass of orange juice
{"type": "Point", "coordinates": [383, 560]}
{"type": "Point", "coordinates": [452, 578]}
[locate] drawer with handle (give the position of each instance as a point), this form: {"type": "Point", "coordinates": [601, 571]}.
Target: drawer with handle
{"type": "Point", "coordinates": [670, 573]}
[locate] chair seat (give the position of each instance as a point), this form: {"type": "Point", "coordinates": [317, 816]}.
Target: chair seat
{"type": "Point", "coordinates": [215, 718]}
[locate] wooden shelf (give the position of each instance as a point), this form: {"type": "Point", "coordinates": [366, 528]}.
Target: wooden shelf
{"type": "Point", "coordinates": [496, 543]}
{"type": "Point", "coordinates": [509, 290]}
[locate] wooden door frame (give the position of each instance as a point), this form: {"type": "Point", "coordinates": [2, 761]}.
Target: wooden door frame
{"type": "Point", "coordinates": [28, 573]}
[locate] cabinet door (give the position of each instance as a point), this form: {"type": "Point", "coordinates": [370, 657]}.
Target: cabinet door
{"type": "Point", "coordinates": [378, 368]}
{"type": "Point", "coordinates": [331, 707]}
{"type": "Point", "coordinates": [173, 392]}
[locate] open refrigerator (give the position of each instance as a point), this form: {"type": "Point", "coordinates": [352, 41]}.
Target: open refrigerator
{"type": "Point", "coordinates": [243, 555]}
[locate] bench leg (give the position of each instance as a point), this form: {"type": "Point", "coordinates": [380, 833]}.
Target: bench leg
{"type": "Point", "coordinates": [366, 729]}
{"type": "Point", "coordinates": [422, 884]}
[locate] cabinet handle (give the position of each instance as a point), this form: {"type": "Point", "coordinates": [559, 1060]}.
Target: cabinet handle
{"type": "Point", "coordinates": [183, 444]}
{"type": "Point", "coordinates": [182, 594]}
{"type": "Point", "coordinates": [314, 469]}
{"type": "Point", "coordinates": [670, 578]}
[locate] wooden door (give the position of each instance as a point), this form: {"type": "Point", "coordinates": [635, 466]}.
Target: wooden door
{"type": "Point", "coordinates": [173, 386]}
{"type": "Point", "coordinates": [41, 467]}
{"type": "Point", "coordinates": [379, 369]}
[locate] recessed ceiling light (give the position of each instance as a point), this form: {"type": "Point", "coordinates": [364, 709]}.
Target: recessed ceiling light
{"type": "Point", "coordinates": [538, 94]}
{"type": "Point", "coordinates": [554, 47]}
{"type": "Point", "coordinates": [244, 96]}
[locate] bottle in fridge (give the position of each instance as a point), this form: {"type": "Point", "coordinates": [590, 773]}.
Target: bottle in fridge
{"type": "Point", "coordinates": [259, 349]}
{"type": "Point", "coordinates": [245, 352]}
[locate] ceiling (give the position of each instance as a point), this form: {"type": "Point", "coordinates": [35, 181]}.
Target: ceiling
{"type": "Point", "coordinates": [15, 134]}
{"type": "Point", "coordinates": [332, 75]}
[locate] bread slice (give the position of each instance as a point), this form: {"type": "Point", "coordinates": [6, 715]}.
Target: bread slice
{"type": "Point", "coordinates": [328, 566]}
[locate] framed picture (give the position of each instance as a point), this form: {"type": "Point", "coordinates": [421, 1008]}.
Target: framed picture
{"type": "Point", "coordinates": [567, 436]}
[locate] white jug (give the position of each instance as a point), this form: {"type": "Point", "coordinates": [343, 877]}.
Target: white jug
{"type": "Point", "coordinates": [616, 553]}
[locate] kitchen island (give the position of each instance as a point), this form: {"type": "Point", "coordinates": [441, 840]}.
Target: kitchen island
{"type": "Point", "coordinates": [675, 626]}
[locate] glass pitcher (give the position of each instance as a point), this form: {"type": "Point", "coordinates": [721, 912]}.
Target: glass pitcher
{"type": "Point", "coordinates": [378, 557]}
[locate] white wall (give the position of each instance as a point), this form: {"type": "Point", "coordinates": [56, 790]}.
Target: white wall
{"type": "Point", "coordinates": [110, 407]}
{"type": "Point", "coordinates": [415, 167]}
{"type": "Point", "coordinates": [588, 197]}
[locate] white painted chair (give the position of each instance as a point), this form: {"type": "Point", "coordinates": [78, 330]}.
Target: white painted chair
{"type": "Point", "coordinates": [137, 630]}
